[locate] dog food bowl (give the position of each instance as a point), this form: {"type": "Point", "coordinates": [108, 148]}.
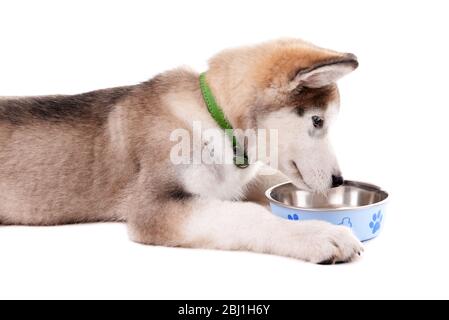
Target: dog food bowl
{"type": "Point", "coordinates": [357, 205]}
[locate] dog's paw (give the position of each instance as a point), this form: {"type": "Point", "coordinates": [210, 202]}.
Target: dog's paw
{"type": "Point", "coordinates": [324, 243]}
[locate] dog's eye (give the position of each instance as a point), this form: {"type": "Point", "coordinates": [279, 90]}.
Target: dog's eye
{"type": "Point", "coordinates": [318, 122]}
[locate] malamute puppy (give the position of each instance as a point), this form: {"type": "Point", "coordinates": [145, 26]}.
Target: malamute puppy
{"type": "Point", "coordinates": [107, 155]}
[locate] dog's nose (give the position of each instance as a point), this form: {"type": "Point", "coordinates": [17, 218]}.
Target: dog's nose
{"type": "Point", "coordinates": [337, 181]}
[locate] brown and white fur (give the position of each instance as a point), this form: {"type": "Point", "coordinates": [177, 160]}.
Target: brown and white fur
{"type": "Point", "coordinates": [105, 155]}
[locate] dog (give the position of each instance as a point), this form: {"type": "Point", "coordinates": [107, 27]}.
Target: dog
{"type": "Point", "coordinates": [106, 155]}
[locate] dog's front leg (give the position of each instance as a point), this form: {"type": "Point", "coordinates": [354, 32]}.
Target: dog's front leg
{"type": "Point", "coordinates": [226, 225]}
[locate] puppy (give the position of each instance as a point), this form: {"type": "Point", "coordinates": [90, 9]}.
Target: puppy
{"type": "Point", "coordinates": [109, 155]}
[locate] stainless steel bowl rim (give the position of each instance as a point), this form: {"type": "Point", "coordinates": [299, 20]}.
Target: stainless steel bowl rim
{"type": "Point", "coordinates": [357, 184]}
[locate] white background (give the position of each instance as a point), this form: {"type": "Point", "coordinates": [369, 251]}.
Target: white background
{"type": "Point", "coordinates": [392, 131]}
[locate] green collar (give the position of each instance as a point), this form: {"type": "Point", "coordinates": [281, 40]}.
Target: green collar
{"type": "Point", "coordinates": [240, 157]}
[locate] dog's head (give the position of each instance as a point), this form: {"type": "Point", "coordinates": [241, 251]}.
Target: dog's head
{"type": "Point", "coordinates": [288, 85]}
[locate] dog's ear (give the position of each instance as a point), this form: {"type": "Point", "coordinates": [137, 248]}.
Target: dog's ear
{"type": "Point", "coordinates": [325, 73]}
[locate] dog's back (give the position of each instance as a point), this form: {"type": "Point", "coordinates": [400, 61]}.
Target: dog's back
{"type": "Point", "coordinates": [54, 154]}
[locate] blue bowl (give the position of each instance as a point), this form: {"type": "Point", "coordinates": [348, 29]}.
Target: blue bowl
{"type": "Point", "coordinates": [356, 205]}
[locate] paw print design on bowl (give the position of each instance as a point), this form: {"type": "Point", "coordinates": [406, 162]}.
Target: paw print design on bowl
{"type": "Point", "coordinates": [293, 217]}
{"type": "Point", "coordinates": [346, 222]}
{"type": "Point", "coordinates": [376, 222]}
